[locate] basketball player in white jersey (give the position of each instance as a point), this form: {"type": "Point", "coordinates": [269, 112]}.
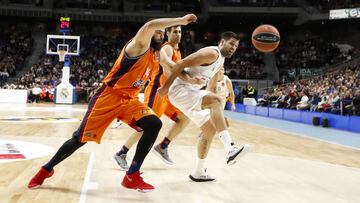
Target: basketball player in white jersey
{"type": "Point", "coordinates": [203, 107]}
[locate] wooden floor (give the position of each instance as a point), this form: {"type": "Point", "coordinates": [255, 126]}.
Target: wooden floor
{"type": "Point", "coordinates": [280, 168]}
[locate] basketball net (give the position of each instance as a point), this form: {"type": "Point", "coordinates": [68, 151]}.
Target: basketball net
{"type": "Point", "coordinates": [61, 54]}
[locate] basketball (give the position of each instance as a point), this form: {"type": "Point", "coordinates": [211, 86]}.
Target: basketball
{"type": "Point", "coordinates": [265, 38]}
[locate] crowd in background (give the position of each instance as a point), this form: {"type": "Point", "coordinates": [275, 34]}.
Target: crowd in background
{"type": "Point", "coordinates": [335, 92]}
{"type": "Point", "coordinates": [86, 71]}
{"type": "Point", "coordinates": [310, 53]}
{"type": "Point", "coordinates": [246, 63]}
{"type": "Point", "coordinates": [15, 46]}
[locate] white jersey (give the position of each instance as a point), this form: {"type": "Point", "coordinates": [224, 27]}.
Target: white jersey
{"type": "Point", "coordinates": [221, 88]}
{"type": "Point", "coordinates": [203, 72]}
{"type": "Point", "coordinates": [188, 97]}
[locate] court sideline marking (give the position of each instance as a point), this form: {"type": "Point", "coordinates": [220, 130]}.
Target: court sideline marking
{"type": "Point", "coordinates": [87, 184]}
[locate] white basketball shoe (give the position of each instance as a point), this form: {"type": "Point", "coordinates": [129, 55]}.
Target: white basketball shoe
{"type": "Point", "coordinates": [236, 152]}
{"type": "Point", "coordinates": [201, 176]}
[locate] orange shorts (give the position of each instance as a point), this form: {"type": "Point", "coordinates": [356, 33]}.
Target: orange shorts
{"type": "Point", "coordinates": [161, 105]}
{"type": "Point", "coordinates": [104, 107]}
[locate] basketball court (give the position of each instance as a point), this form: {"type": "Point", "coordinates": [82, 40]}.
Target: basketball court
{"type": "Point", "coordinates": [281, 167]}
{"type": "Point", "coordinates": [288, 161]}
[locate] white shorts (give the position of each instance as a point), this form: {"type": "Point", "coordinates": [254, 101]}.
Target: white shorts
{"type": "Point", "coordinates": [189, 99]}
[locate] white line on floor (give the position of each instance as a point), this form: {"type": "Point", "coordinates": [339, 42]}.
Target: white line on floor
{"type": "Point", "coordinates": [87, 184]}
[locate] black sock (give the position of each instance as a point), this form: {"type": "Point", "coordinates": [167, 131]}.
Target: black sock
{"type": "Point", "coordinates": [164, 144]}
{"type": "Point", "coordinates": [151, 126]}
{"type": "Point", "coordinates": [63, 152]}
{"type": "Point", "coordinates": [123, 150]}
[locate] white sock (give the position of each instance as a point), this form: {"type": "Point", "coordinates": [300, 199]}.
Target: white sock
{"type": "Point", "coordinates": [200, 165]}
{"type": "Point", "coordinates": [225, 139]}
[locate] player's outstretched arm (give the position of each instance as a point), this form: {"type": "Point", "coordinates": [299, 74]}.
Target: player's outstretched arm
{"type": "Point", "coordinates": [141, 41]}
{"type": "Point", "coordinates": [202, 57]}
{"type": "Point", "coordinates": [167, 63]}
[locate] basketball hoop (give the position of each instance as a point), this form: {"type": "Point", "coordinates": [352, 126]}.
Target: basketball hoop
{"type": "Point", "coordinates": [61, 54]}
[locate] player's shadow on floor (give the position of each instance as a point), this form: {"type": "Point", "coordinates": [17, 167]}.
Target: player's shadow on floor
{"type": "Point", "coordinates": [60, 189]}
{"type": "Point", "coordinates": [160, 168]}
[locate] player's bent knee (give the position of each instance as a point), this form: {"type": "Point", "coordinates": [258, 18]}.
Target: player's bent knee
{"type": "Point", "coordinates": [150, 123]}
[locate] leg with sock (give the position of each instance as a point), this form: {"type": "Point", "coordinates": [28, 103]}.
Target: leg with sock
{"type": "Point", "coordinates": [200, 173]}
{"type": "Point", "coordinates": [234, 152]}
{"type": "Point", "coordinates": [151, 126]}
{"type": "Point", "coordinates": [164, 144]}
{"type": "Point", "coordinates": [68, 148]}
{"type": "Point", "coordinates": [161, 150]}
{"type": "Point", "coordinates": [181, 121]}
{"type": "Point", "coordinates": [124, 150]}
{"type": "Point", "coordinates": [226, 139]}
{"type": "Point", "coordinates": [120, 157]}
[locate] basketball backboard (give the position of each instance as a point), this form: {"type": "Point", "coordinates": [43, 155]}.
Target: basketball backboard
{"type": "Point", "coordinates": [69, 44]}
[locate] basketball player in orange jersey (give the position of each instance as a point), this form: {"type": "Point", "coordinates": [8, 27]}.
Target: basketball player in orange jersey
{"type": "Point", "coordinates": [201, 106]}
{"type": "Point", "coordinates": [117, 98]}
{"type": "Point", "coordinates": [169, 54]}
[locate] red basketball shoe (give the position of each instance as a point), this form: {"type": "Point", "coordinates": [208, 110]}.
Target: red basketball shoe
{"type": "Point", "coordinates": [39, 178]}
{"type": "Point", "coordinates": [136, 182]}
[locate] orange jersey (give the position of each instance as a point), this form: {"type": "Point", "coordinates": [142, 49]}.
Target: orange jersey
{"type": "Point", "coordinates": [129, 74]}
{"type": "Point", "coordinates": [158, 77]}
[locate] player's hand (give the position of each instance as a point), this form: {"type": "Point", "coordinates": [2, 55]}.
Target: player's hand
{"type": "Point", "coordinates": [189, 18]}
{"type": "Point", "coordinates": [163, 91]}
{"type": "Point", "coordinates": [233, 107]}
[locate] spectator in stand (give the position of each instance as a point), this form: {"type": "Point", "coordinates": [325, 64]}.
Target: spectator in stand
{"type": "Point", "coordinates": [314, 101]}
{"type": "Point", "coordinates": [354, 107]}
{"type": "Point", "coordinates": [303, 104]}
{"type": "Point", "coordinates": [293, 99]}
{"type": "Point", "coordinates": [250, 91]}
{"type": "Point", "coordinates": [35, 93]}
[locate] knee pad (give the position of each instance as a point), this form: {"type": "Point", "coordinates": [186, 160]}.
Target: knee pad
{"type": "Point", "coordinates": [150, 123]}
